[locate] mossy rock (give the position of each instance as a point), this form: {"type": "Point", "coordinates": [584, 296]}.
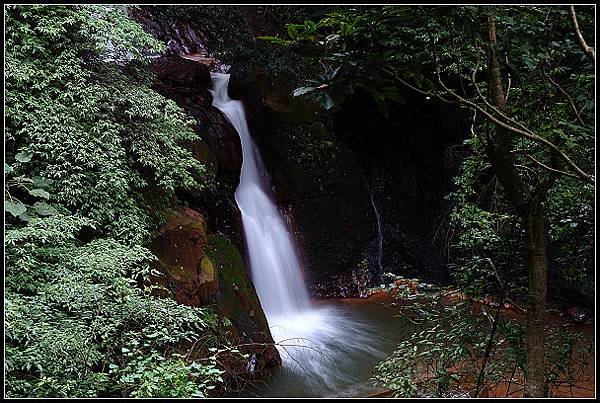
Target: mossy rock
{"type": "Point", "coordinates": [179, 246]}
{"type": "Point", "coordinates": [237, 298]}
{"type": "Point", "coordinates": [202, 152]}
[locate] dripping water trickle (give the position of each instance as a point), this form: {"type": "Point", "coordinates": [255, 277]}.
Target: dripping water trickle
{"type": "Point", "coordinates": [379, 234]}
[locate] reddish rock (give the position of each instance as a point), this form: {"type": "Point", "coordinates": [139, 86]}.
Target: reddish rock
{"type": "Point", "coordinates": [182, 80]}
{"type": "Point", "coordinates": [179, 246]}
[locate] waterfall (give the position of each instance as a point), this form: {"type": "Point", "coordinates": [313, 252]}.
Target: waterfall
{"type": "Point", "coordinates": [274, 262]}
{"type": "Point", "coordinates": [320, 345]}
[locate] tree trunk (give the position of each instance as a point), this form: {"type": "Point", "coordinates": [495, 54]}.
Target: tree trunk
{"type": "Point", "coordinates": [537, 265]}
{"type": "Point", "coordinates": [530, 209]}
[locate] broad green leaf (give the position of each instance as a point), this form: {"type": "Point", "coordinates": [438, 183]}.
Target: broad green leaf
{"type": "Point", "coordinates": [41, 182]}
{"type": "Point", "coordinates": [24, 157]}
{"type": "Point", "coordinates": [302, 90]}
{"type": "Point", "coordinates": [14, 208]}
{"type": "Point", "coordinates": [25, 217]}
{"type": "Point", "coordinates": [326, 101]}
{"type": "Point", "coordinates": [39, 193]}
{"type": "Point", "coordinates": [44, 209]}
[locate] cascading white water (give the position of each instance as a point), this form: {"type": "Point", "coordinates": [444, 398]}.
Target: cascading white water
{"type": "Point", "coordinates": [274, 262]}
{"type": "Point", "coordinates": [323, 346]}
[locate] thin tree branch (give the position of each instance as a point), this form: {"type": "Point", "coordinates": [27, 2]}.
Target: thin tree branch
{"type": "Point", "coordinates": [588, 49]}
{"type": "Point", "coordinates": [526, 131]}
{"type": "Point", "coordinates": [412, 87]}
{"type": "Point", "coordinates": [527, 134]}
{"type": "Point", "coordinates": [546, 167]}
{"type": "Point", "coordinates": [520, 130]}
{"type": "Point", "coordinates": [492, 107]}
{"type": "Point", "coordinates": [562, 91]}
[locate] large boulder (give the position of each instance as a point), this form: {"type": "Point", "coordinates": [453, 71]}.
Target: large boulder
{"type": "Point", "coordinates": [184, 81]}
{"type": "Point", "coordinates": [179, 246]}
{"type": "Point", "coordinates": [200, 269]}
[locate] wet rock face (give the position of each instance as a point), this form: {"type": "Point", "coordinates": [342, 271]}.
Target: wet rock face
{"type": "Point", "coordinates": [322, 171]}
{"type": "Point", "coordinates": [181, 76]}
{"type": "Point", "coordinates": [182, 37]}
{"type": "Point", "coordinates": [238, 301]}
{"type": "Point", "coordinates": [408, 161]}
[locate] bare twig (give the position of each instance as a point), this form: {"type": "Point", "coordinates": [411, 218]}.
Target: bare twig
{"type": "Point", "coordinates": [495, 272]}
{"type": "Point", "coordinates": [509, 83]}
{"type": "Point", "coordinates": [412, 87]}
{"type": "Point", "coordinates": [546, 167]}
{"type": "Point", "coordinates": [490, 343]}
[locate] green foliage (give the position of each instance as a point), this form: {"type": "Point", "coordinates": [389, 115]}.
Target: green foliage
{"type": "Point", "coordinates": [72, 310]}
{"type": "Point", "coordinates": [357, 48]}
{"type": "Point", "coordinates": [155, 376]}
{"type": "Point", "coordinates": [485, 228]}
{"type": "Point", "coordinates": [93, 157]}
{"type": "Point", "coordinates": [486, 231]}
{"type": "Point", "coordinates": [103, 137]}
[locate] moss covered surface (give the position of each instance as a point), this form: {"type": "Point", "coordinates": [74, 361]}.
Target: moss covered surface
{"type": "Point", "coordinates": [236, 298]}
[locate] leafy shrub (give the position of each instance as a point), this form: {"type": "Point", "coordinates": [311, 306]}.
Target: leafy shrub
{"type": "Point", "coordinates": [444, 355]}
{"type": "Point", "coordinates": [93, 158]}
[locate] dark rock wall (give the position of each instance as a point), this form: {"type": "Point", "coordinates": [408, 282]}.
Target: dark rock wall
{"type": "Point", "coordinates": [316, 181]}
{"type": "Point", "coordinates": [323, 169]}
{"type": "Point", "coordinates": [408, 161]}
